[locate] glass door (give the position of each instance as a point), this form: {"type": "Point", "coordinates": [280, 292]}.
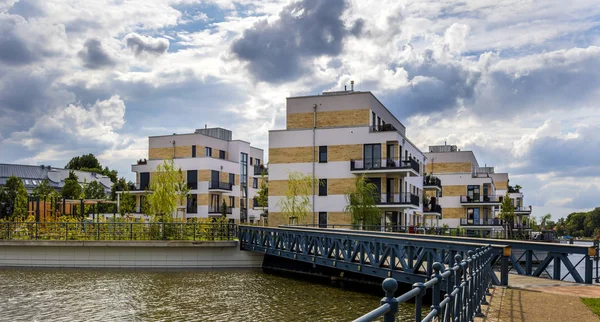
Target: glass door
{"type": "Point", "coordinates": [372, 156]}
{"type": "Point", "coordinates": [390, 155]}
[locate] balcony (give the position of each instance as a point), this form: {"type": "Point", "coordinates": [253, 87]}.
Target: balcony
{"type": "Point", "coordinates": [219, 186]}
{"type": "Point", "coordinates": [255, 204]}
{"type": "Point", "coordinates": [496, 222]}
{"type": "Point", "coordinates": [432, 210]}
{"type": "Point", "coordinates": [409, 168]}
{"type": "Point", "coordinates": [431, 182]}
{"type": "Point", "coordinates": [218, 210]}
{"type": "Point", "coordinates": [523, 210]}
{"type": "Point", "coordinates": [260, 170]}
{"type": "Point", "coordinates": [403, 200]}
{"type": "Point", "coordinates": [490, 200]}
{"type": "Point", "coordinates": [382, 128]}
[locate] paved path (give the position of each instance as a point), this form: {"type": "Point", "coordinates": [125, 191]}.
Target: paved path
{"type": "Point", "coordinates": [530, 299]}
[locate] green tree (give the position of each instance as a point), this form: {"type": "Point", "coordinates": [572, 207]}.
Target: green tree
{"type": "Point", "coordinates": [14, 203]}
{"type": "Point", "coordinates": [89, 163]}
{"type": "Point", "coordinates": [43, 190]}
{"type": "Point", "coordinates": [361, 203]}
{"type": "Point", "coordinates": [168, 191]}
{"type": "Point", "coordinates": [224, 208]}
{"type": "Point", "coordinates": [262, 195]}
{"type": "Point", "coordinates": [545, 220]}
{"type": "Point", "coordinates": [121, 185]}
{"type": "Point", "coordinates": [126, 199]}
{"type": "Point", "coordinates": [507, 215]}
{"type": "Point", "coordinates": [72, 189]}
{"type": "Point", "coordinates": [296, 204]}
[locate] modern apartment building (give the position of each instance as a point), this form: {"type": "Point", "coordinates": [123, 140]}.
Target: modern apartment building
{"type": "Point", "coordinates": [215, 167]}
{"type": "Point", "coordinates": [471, 195]}
{"type": "Point", "coordinates": [335, 137]}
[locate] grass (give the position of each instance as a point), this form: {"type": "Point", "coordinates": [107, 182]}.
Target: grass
{"type": "Point", "coordinates": [593, 304]}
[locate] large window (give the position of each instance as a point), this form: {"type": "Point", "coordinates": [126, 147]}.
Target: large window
{"type": "Point", "coordinates": [192, 179]}
{"type": "Point", "coordinates": [257, 161]}
{"type": "Point", "coordinates": [323, 154]}
{"type": "Point", "coordinates": [244, 187]}
{"type": "Point", "coordinates": [322, 187]}
{"type": "Point", "coordinates": [232, 179]}
{"type": "Point", "coordinates": [192, 204]}
{"type": "Point", "coordinates": [193, 151]}
{"type": "Point", "coordinates": [473, 193]}
{"type": "Point", "coordinates": [144, 180]}
{"type": "Point", "coordinates": [372, 156]}
{"type": "Point", "coordinates": [214, 177]}
{"type": "Point", "coordinates": [231, 201]}
{"type": "Point", "coordinates": [322, 219]}
{"type": "Point", "coordinates": [473, 216]}
{"type": "Point", "coordinates": [255, 183]}
{"type": "Point", "coordinates": [251, 160]}
{"type": "Point", "coordinates": [208, 151]}
{"type": "Point", "coordinates": [221, 154]}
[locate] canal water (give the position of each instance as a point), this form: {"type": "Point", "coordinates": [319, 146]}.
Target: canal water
{"type": "Point", "coordinates": [181, 295]}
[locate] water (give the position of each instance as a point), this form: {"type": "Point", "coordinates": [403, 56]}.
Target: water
{"type": "Point", "coordinates": [186, 295]}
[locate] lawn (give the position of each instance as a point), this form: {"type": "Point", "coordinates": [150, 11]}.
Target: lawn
{"type": "Point", "coordinates": [593, 304]}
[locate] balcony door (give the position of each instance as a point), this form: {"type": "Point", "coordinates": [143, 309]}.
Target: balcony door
{"type": "Point", "coordinates": [473, 193]}
{"type": "Point", "coordinates": [389, 191]}
{"type": "Point", "coordinates": [377, 183]}
{"type": "Point", "coordinates": [214, 176]}
{"type": "Point", "coordinates": [372, 156]}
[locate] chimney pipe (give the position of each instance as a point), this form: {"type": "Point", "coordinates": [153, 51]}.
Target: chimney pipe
{"type": "Point", "coordinates": [206, 126]}
{"type": "Point", "coordinates": [344, 88]}
{"type": "Point", "coordinates": [352, 86]}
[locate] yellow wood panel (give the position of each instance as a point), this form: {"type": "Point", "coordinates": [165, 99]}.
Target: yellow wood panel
{"type": "Point", "coordinates": [344, 152]}
{"type": "Point", "coordinates": [339, 186]}
{"type": "Point", "coordinates": [501, 185]}
{"type": "Point", "coordinates": [328, 119]}
{"type": "Point", "coordinates": [453, 213]}
{"type": "Point", "coordinates": [448, 167]}
{"type": "Point", "coordinates": [448, 191]}
{"type": "Point", "coordinates": [292, 155]}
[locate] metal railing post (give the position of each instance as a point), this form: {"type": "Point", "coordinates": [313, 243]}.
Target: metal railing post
{"type": "Point", "coordinates": [36, 231]}
{"type": "Point", "coordinates": [390, 286]}
{"type": "Point", "coordinates": [504, 266]}
{"type": "Point", "coordinates": [419, 301]}
{"type": "Point", "coordinates": [435, 294]}
{"type": "Point", "coordinates": [130, 231]}
{"type": "Point", "coordinates": [195, 230]}
{"type": "Point", "coordinates": [458, 287]}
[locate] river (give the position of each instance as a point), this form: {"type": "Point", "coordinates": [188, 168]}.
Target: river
{"type": "Point", "coordinates": [180, 295]}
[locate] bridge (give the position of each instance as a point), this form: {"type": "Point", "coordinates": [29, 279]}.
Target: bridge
{"type": "Point", "coordinates": [460, 270]}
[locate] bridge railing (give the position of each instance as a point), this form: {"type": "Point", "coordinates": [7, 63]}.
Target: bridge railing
{"type": "Point", "coordinates": [526, 258]}
{"type": "Point", "coordinates": [457, 292]}
{"type": "Point", "coordinates": [406, 260]}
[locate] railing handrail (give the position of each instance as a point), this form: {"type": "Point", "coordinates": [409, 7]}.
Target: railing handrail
{"type": "Point", "coordinates": [385, 163]}
{"type": "Point", "coordinates": [482, 198]}
{"type": "Point", "coordinates": [220, 185]}
{"type": "Point", "coordinates": [468, 280]}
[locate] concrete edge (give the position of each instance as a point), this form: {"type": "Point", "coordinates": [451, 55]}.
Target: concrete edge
{"type": "Point", "coordinates": [118, 243]}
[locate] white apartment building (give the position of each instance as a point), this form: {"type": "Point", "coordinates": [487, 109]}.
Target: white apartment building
{"type": "Point", "coordinates": [471, 195]}
{"type": "Point", "coordinates": [215, 167]}
{"type": "Point", "coordinates": [335, 137]}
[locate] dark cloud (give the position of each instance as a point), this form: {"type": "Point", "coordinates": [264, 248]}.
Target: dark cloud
{"type": "Point", "coordinates": [80, 25]}
{"type": "Point", "coordinates": [94, 56]}
{"type": "Point", "coordinates": [27, 9]}
{"type": "Point", "coordinates": [275, 52]}
{"type": "Point", "coordinates": [140, 44]}
{"type": "Point", "coordinates": [357, 27]}
{"type": "Point", "coordinates": [15, 49]}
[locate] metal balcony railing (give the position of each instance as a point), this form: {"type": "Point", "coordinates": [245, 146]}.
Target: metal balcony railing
{"type": "Point", "coordinates": [218, 210]}
{"type": "Point", "coordinates": [219, 185]}
{"type": "Point", "coordinates": [255, 204]}
{"type": "Point", "coordinates": [479, 199]}
{"type": "Point", "coordinates": [432, 208]}
{"type": "Point", "coordinates": [399, 199]}
{"type": "Point", "coordinates": [480, 222]}
{"type": "Point", "coordinates": [523, 209]}
{"type": "Point", "coordinates": [383, 164]}
{"type": "Point", "coordinates": [382, 128]}
{"type": "Point", "coordinates": [432, 181]}
{"type": "Point", "coordinates": [260, 169]}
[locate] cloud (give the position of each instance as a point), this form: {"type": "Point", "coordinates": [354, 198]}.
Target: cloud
{"type": "Point", "coordinates": [141, 44]}
{"type": "Point", "coordinates": [22, 43]}
{"type": "Point", "coordinates": [277, 51]}
{"type": "Point", "coordinates": [94, 56]}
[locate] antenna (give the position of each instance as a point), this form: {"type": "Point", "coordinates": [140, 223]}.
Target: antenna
{"type": "Point", "coordinates": [352, 86]}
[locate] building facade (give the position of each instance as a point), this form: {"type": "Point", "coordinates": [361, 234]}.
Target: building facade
{"type": "Point", "coordinates": [335, 137]}
{"type": "Point", "coordinates": [471, 196]}
{"type": "Point", "coordinates": [215, 167]}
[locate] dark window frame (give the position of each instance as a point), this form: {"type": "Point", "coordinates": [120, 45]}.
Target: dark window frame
{"type": "Point", "coordinates": [192, 204]}
{"type": "Point", "coordinates": [192, 174]}
{"type": "Point", "coordinates": [222, 154]}
{"type": "Point", "coordinates": [193, 151]}
{"type": "Point", "coordinates": [144, 178]}
{"type": "Point", "coordinates": [255, 183]}
{"type": "Point", "coordinates": [232, 201]}
{"type": "Point", "coordinates": [321, 224]}
{"type": "Point", "coordinates": [323, 187]}
{"type": "Point", "coordinates": [208, 151]}
{"type": "Point", "coordinates": [232, 178]}
{"type": "Point", "coordinates": [323, 154]}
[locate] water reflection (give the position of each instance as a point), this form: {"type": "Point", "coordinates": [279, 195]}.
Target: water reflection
{"type": "Point", "coordinates": [152, 295]}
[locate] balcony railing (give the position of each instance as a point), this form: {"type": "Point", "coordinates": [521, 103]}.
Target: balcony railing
{"type": "Point", "coordinates": [382, 128]}
{"type": "Point", "coordinates": [491, 222]}
{"type": "Point", "coordinates": [383, 164]}
{"type": "Point", "coordinates": [218, 210]}
{"type": "Point", "coordinates": [523, 209]}
{"type": "Point", "coordinates": [432, 208]}
{"type": "Point", "coordinates": [256, 205]}
{"type": "Point", "coordinates": [479, 199]}
{"type": "Point", "coordinates": [432, 181]}
{"type": "Point", "coordinates": [219, 185]}
{"type": "Point", "coordinates": [399, 199]}
{"type": "Point", "coordinates": [260, 169]}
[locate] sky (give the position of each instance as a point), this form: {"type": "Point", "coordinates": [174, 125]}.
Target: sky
{"type": "Point", "coordinates": [517, 82]}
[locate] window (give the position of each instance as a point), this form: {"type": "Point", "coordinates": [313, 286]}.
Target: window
{"type": "Point", "coordinates": [251, 160]}
{"type": "Point", "coordinates": [373, 118]}
{"type": "Point", "coordinates": [378, 121]}
{"type": "Point", "coordinates": [232, 179]}
{"type": "Point", "coordinates": [193, 151]}
{"type": "Point", "coordinates": [192, 179]}
{"type": "Point", "coordinates": [221, 154]}
{"type": "Point", "coordinates": [255, 183]}
{"type": "Point", "coordinates": [208, 151]}
{"type": "Point", "coordinates": [473, 193]}
{"type": "Point", "coordinates": [322, 187]}
{"type": "Point", "coordinates": [323, 154]}
{"type": "Point", "coordinates": [144, 180]}
{"type": "Point", "coordinates": [473, 216]}
{"type": "Point", "coordinates": [232, 201]}
{"type": "Point", "coordinates": [322, 219]}
{"type": "Point", "coordinates": [192, 204]}
{"type": "Point", "coordinates": [257, 161]}
{"type": "Point", "coordinates": [372, 156]}
{"type": "Point", "coordinates": [214, 178]}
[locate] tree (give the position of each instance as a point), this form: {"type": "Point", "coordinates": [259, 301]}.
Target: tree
{"type": "Point", "coordinates": [89, 163]}
{"type": "Point", "coordinates": [545, 220]}
{"type": "Point", "coordinates": [72, 189]}
{"type": "Point", "coordinates": [296, 203]}
{"type": "Point", "coordinates": [361, 203]}
{"type": "Point", "coordinates": [44, 190]}
{"type": "Point", "coordinates": [14, 203]}
{"type": "Point", "coordinates": [121, 185]}
{"type": "Point", "coordinates": [262, 195]}
{"type": "Point", "coordinates": [126, 199]}
{"type": "Point", "coordinates": [507, 215]}
{"type": "Point", "coordinates": [168, 191]}
{"type": "Point", "coordinates": [224, 208]}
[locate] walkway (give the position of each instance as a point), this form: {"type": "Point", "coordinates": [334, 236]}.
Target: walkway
{"type": "Point", "coordinates": [530, 299]}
